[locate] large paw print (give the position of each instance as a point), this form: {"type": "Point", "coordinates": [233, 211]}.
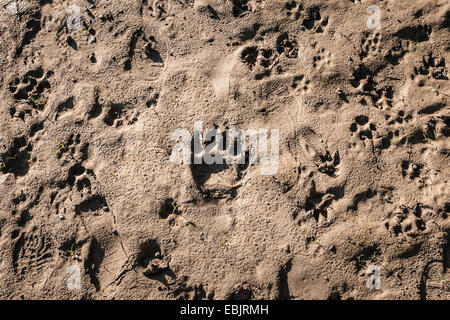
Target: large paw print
{"type": "Point", "coordinates": [259, 60]}
{"type": "Point", "coordinates": [294, 9]}
{"type": "Point", "coordinates": [288, 45]}
{"type": "Point", "coordinates": [363, 128]}
{"type": "Point", "coordinates": [314, 20]}
{"type": "Point", "coordinates": [431, 66]}
{"type": "Point", "coordinates": [157, 9]}
{"type": "Point", "coordinates": [370, 45]}
{"type": "Point", "coordinates": [330, 165]}
{"type": "Point", "coordinates": [31, 87]}
{"type": "Point", "coordinates": [404, 221]}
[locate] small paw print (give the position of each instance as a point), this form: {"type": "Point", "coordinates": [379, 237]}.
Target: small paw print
{"type": "Point", "coordinates": [294, 9]}
{"type": "Point", "coordinates": [322, 60]}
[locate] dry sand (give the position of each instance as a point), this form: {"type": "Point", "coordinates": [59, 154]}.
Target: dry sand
{"type": "Point", "coordinates": [87, 116]}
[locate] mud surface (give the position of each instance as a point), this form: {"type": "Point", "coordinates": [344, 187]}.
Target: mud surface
{"type": "Point", "coordinates": [86, 120]}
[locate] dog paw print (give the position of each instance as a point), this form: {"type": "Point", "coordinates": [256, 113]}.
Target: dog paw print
{"type": "Point", "coordinates": [157, 9]}
{"type": "Point", "coordinates": [370, 44]}
{"type": "Point", "coordinates": [411, 170]}
{"type": "Point", "coordinates": [313, 20]}
{"type": "Point", "coordinates": [259, 60]}
{"type": "Point", "coordinates": [317, 205]}
{"type": "Point", "coordinates": [301, 84]}
{"type": "Point", "coordinates": [78, 175]}
{"type": "Point", "coordinates": [405, 221]}
{"type": "Point", "coordinates": [294, 9]}
{"type": "Point", "coordinates": [31, 87]}
{"type": "Point", "coordinates": [71, 147]}
{"type": "Point", "coordinates": [431, 66]}
{"type": "Point", "coordinates": [365, 85]}
{"type": "Point", "coordinates": [144, 54]}
{"type": "Point", "coordinates": [430, 130]}
{"type": "Point", "coordinates": [152, 261]}
{"type": "Point", "coordinates": [16, 159]}
{"type": "Point", "coordinates": [118, 114]}
{"type": "Point", "coordinates": [24, 203]}
{"type": "Point", "coordinates": [322, 60]}
{"type": "Point", "coordinates": [442, 127]}
{"type": "Point", "coordinates": [330, 164]}
{"type": "Point", "coordinates": [363, 128]}
{"type": "Point", "coordinates": [397, 52]}
{"type": "Point", "coordinates": [287, 44]}
{"type": "Point", "coordinates": [436, 128]}
{"type": "Point", "coordinates": [399, 118]}
{"type": "Point", "coordinates": [241, 8]}
{"type": "Point", "coordinates": [250, 56]}
{"type": "Point", "coordinates": [383, 97]}
{"type": "Point", "coordinates": [114, 114]}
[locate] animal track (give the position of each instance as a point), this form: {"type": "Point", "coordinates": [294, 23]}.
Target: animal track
{"type": "Point", "coordinates": [64, 106]}
{"type": "Point", "coordinates": [301, 84]}
{"type": "Point", "coordinates": [157, 9]}
{"type": "Point", "coordinates": [118, 113]}
{"type": "Point", "coordinates": [397, 52]}
{"type": "Point", "coordinates": [77, 175]}
{"type": "Point", "coordinates": [259, 60]}
{"type": "Point", "coordinates": [363, 128]}
{"type": "Point", "coordinates": [363, 81]}
{"type": "Point", "coordinates": [144, 54]}
{"type": "Point", "coordinates": [399, 118]}
{"type": "Point", "coordinates": [322, 60]}
{"type": "Point", "coordinates": [434, 129]}
{"type": "Point", "coordinates": [317, 204]}
{"type": "Point", "coordinates": [404, 221]}
{"type": "Point", "coordinates": [16, 159]}
{"type": "Point", "coordinates": [222, 180]}
{"type": "Point", "coordinates": [151, 260]}
{"type": "Point", "coordinates": [370, 44]}
{"type": "Point", "coordinates": [418, 33]}
{"type": "Point", "coordinates": [31, 87]}
{"type": "Point", "coordinates": [313, 20]}
{"type": "Point", "coordinates": [287, 44]}
{"type": "Point", "coordinates": [21, 204]}
{"type": "Point", "coordinates": [330, 165]}
{"type": "Point", "coordinates": [242, 7]}
{"type": "Point", "coordinates": [412, 170]}
{"type": "Point", "coordinates": [32, 27]}
{"type": "Point", "coordinates": [433, 66]}
{"type": "Point", "coordinates": [94, 204]}
{"type": "Point", "coordinates": [441, 126]}
{"type": "Point", "coordinates": [183, 291]}
{"type": "Point", "coordinates": [294, 9]}
{"type": "Point", "coordinates": [262, 60]}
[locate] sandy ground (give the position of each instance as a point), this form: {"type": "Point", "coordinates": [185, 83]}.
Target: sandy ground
{"type": "Point", "coordinates": [91, 207]}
